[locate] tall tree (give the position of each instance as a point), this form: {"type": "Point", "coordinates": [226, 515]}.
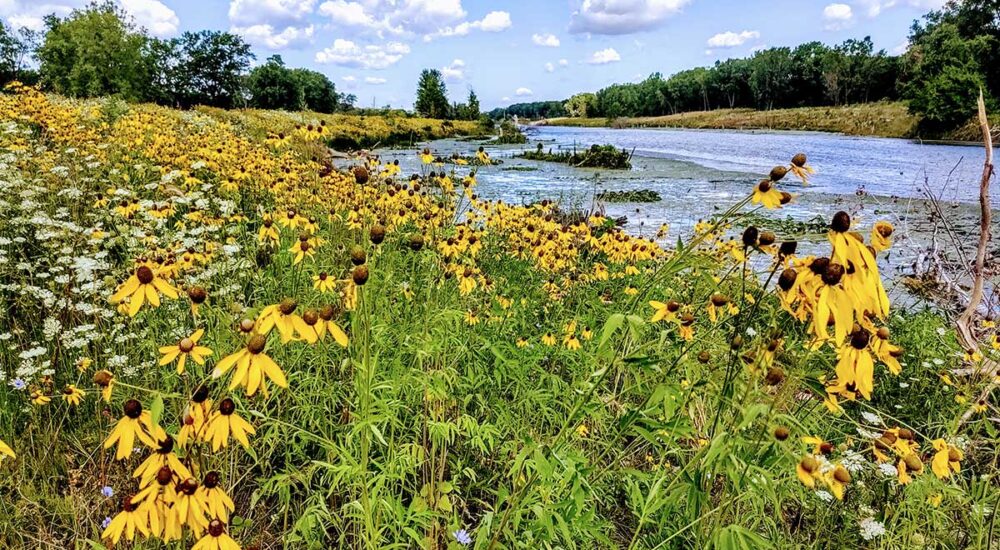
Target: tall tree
{"type": "Point", "coordinates": [211, 68]}
{"type": "Point", "coordinates": [94, 51]}
{"type": "Point", "coordinates": [432, 95]}
{"type": "Point", "coordinates": [318, 91]}
{"type": "Point", "coordinates": [472, 106]}
{"type": "Point", "coordinates": [274, 86]}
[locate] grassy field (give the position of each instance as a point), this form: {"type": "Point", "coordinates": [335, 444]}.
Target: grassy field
{"type": "Point", "coordinates": [213, 338]}
{"type": "Point", "coordinates": [872, 119]}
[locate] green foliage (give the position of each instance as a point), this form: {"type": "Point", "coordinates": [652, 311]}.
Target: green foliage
{"type": "Point", "coordinates": [510, 134]}
{"type": "Point", "coordinates": [946, 73]}
{"type": "Point", "coordinates": [597, 156]}
{"type": "Point", "coordinates": [274, 86]}
{"type": "Point", "coordinates": [432, 95]}
{"type": "Point", "coordinates": [533, 110]}
{"type": "Point", "coordinates": [211, 65]}
{"type": "Point", "coordinates": [634, 195]}
{"type": "Point", "coordinates": [318, 91]}
{"type": "Point", "coordinates": [92, 52]}
{"type": "Point", "coordinates": [581, 105]}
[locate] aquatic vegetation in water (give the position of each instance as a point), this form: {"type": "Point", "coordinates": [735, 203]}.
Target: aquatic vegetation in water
{"type": "Point", "coordinates": [633, 195]}
{"type": "Point", "coordinates": [597, 156]}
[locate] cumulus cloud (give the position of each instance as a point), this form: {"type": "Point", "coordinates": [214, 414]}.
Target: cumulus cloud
{"type": "Point", "coordinates": [455, 71]}
{"type": "Point", "coordinates": [267, 36]}
{"type": "Point", "coordinates": [395, 17]}
{"type": "Point", "coordinates": [547, 40]}
{"type": "Point", "coordinates": [551, 67]}
{"type": "Point", "coordinates": [375, 80]}
{"type": "Point", "coordinates": [348, 54]}
{"type": "Point", "coordinates": [273, 12]}
{"type": "Point", "coordinates": [495, 21]}
{"type": "Point", "coordinates": [872, 8]}
{"type": "Point", "coordinates": [730, 39]}
{"type": "Point", "coordinates": [622, 16]}
{"type": "Point", "coordinates": [603, 57]}
{"type": "Point", "coordinates": [153, 15]}
{"type": "Point", "coordinates": [523, 92]}
{"type": "Point", "coordinates": [838, 16]}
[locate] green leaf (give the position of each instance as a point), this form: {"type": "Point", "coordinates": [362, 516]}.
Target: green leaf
{"type": "Point", "coordinates": [614, 322]}
{"type": "Point", "coordinates": [156, 409]}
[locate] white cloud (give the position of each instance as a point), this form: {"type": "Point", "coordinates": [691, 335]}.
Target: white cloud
{"type": "Point", "coordinates": [375, 80]}
{"type": "Point", "coordinates": [395, 17]}
{"type": "Point", "coordinates": [873, 8]}
{"type": "Point", "coordinates": [31, 15]}
{"type": "Point", "coordinates": [523, 92]}
{"type": "Point", "coordinates": [455, 71]}
{"type": "Point", "coordinates": [272, 12]}
{"type": "Point", "coordinates": [495, 21]}
{"type": "Point", "coordinates": [561, 64]}
{"type": "Point", "coordinates": [603, 57]}
{"type": "Point", "coordinates": [157, 18]}
{"type": "Point", "coordinates": [348, 54]}
{"type": "Point", "coordinates": [837, 16]}
{"type": "Point", "coordinates": [349, 78]}
{"type": "Point", "coordinates": [267, 36]}
{"type": "Point", "coordinates": [622, 16]}
{"type": "Point", "coordinates": [547, 40]}
{"type": "Point", "coordinates": [730, 39]}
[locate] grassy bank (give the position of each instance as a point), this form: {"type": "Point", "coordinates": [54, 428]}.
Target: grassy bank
{"type": "Point", "coordinates": [345, 132]}
{"type": "Point", "coordinates": [873, 119]}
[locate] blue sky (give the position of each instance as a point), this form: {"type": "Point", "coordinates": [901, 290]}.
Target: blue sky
{"type": "Point", "coordinates": [525, 50]}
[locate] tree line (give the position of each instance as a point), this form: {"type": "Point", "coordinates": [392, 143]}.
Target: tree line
{"type": "Point", "coordinates": [99, 51]}
{"type": "Point", "coordinates": [952, 54]}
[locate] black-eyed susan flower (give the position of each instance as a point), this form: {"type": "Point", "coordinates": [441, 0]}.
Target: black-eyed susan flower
{"type": "Point", "coordinates": [765, 194]}
{"type": "Point", "coordinates": [5, 450]}
{"type": "Point", "coordinates": [882, 236]}
{"type": "Point", "coordinates": [214, 499]}
{"type": "Point", "coordinates": [188, 505]}
{"type": "Point", "coordinates": [281, 316]}
{"type": "Point", "coordinates": [837, 480]}
{"type": "Point", "coordinates": [162, 457]}
{"type": "Point", "coordinates": [216, 538]}
{"type": "Point", "coordinates": [195, 416]}
{"type": "Point", "coordinates": [186, 347]}
{"type": "Point", "coordinates": [104, 380]}
{"type": "Point", "coordinates": [133, 518]}
{"type": "Point", "coordinates": [549, 339]}
{"type": "Point", "coordinates": [855, 364]}
{"type": "Point", "coordinates": [807, 470]}
{"type": "Point", "coordinates": [800, 168]}
{"type": "Point", "coordinates": [664, 311]}
{"type": "Point", "coordinates": [136, 424]}
{"type": "Point", "coordinates": [72, 394]}
{"type": "Point", "coordinates": [198, 295]}
{"type": "Point", "coordinates": [40, 397]}
{"type": "Point", "coordinates": [324, 282]}
{"type": "Point", "coordinates": [144, 285]}
{"type": "Point", "coordinates": [253, 367]}
{"type": "Point", "coordinates": [225, 422]}
{"type": "Point", "coordinates": [947, 459]}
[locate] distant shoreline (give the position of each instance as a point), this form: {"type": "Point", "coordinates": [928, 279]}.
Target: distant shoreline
{"type": "Point", "coordinates": [882, 119]}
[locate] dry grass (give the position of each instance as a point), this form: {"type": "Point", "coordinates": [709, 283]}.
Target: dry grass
{"type": "Point", "coordinates": [881, 119]}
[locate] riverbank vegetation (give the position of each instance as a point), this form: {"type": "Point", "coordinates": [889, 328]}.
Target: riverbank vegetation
{"type": "Point", "coordinates": [216, 338]}
{"type": "Point", "coordinates": [596, 156]}
{"type": "Point", "coordinates": [634, 195]}
{"type": "Point", "coordinates": [883, 119]}
{"type": "Point", "coordinates": [952, 53]}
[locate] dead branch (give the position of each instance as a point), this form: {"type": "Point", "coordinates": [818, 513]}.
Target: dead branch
{"type": "Point", "coordinates": [964, 324]}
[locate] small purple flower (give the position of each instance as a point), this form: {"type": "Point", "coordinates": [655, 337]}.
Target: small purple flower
{"type": "Point", "coordinates": [106, 522]}
{"type": "Point", "coordinates": [18, 384]}
{"type": "Point", "coordinates": [462, 536]}
{"type": "Point", "coordinates": [107, 491]}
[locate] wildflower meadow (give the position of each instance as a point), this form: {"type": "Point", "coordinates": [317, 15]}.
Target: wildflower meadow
{"type": "Point", "coordinates": [217, 336]}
